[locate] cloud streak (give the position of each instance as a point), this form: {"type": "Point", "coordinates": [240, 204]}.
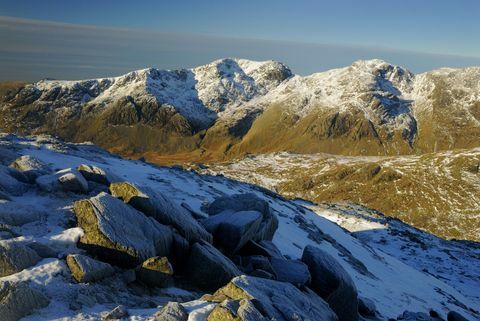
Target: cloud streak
{"type": "Point", "coordinates": [35, 49]}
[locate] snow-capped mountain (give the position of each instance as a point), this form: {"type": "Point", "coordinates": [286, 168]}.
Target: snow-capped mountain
{"type": "Point", "coordinates": [232, 107]}
{"type": "Point", "coordinates": [84, 231]}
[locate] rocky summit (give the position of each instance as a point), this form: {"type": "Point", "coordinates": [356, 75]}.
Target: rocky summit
{"type": "Point", "coordinates": [87, 235]}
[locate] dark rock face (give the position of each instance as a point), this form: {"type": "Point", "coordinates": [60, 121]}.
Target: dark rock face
{"type": "Point", "coordinates": [17, 300]}
{"type": "Point", "coordinates": [161, 209]}
{"type": "Point", "coordinates": [332, 282]}
{"type": "Point", "coordinates": [208, 268]}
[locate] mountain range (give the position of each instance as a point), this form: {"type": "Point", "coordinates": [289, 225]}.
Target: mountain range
{"type": "Point", "coordinates": [234, 107]}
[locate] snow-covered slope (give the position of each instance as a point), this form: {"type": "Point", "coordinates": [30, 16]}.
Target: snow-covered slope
{"type": "Point", "coordinates": [393, 285]}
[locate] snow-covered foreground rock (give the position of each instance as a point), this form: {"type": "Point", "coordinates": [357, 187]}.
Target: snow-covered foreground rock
{"type": "Point", "coordinates": [51, 227]}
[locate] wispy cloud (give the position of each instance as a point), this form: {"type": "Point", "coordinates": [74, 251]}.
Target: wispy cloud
{"type": "Point", "coordinates": [34, 49]}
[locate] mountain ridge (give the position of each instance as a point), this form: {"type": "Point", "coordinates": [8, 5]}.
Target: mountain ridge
{"type": "Point", "coordinates": [233, 107]}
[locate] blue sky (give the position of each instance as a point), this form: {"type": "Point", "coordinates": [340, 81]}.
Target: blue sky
{"type": "Point", "coordinates": [82, 39]}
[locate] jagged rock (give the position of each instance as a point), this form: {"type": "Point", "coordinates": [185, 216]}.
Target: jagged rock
{"type": "Point", "coordinates": [292, 271]}
{"type": "Point", "coordinates": [9, 184]}
{"type": "Point", "coordinates": [162, 209]}
{"type": "Point", "coordinates": [118, 233]}
{"type": "Point", "coordinates": [173, 311]}
{"type": "Point", "coordinates": [332, 282]}
{"type": "Point", "coordinates": [17, 300]}
{"type": "Point", "coordinates": [14, 257]}
{"type": "Point", "coordinates": [455, 316]}
{"type": "Point", "coordinates": [156, 271]}
{"type": "Point", "coordinates": [247, 202]}
{"type": "Point", "coordinates": [96, 174]}
{"type": "Point", "coordinates": [209, 269]}
{"type": "Point", "coordinates": [66, 180]}
{"type": "Point", "coordinates": [232, 230]}
{"type": "Point", "coordinates": [30, 167]}
{"type": "Point", "coordinates": [85, 269]}
{"type": "Point", "coordinates": [366, 307]}
{"type": "Point", "coordinates": [13, 213]}
{"type": "Point", "coordinates": [118, 313]}
{"type": "Point", "coordinates": [274, 300]}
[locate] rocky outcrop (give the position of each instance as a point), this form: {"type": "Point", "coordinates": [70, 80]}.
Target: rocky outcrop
{"type": "Point", "coordinates": [67, 180]}
{"type": "Point", "coordinates": [156, 271]}
{"type": "Point", "coordinates": [273, 300]}
{"type": "Point", "coordinates": [208, 268]}
{"type": "Point", "coordinates": [332, 282]}
{"type": "Point", "coordinates": [366, 307]}
{"type": "Point", "coordinates": [85, 269]}
{"type": "Point", "coordinates": [247, 203]}
{"type": "Point", "coordinates": [162, 209]}
{"type": "Point", "coordinates": [14, 257]}
{"type": "Point", "coordinates": [17, 300]}
{"type": "Point", "coordinates": [172, 311]}
{"type": "Point", "coordinates": [118, 233]}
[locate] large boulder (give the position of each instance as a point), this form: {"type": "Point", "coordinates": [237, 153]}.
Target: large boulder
{"type": "Point", "coordinates": [332, 282]}
{"type": "Point", "coordinates": [156, 271]}
{"type": "Point", "coordinates": [270, 300]}
{"type": "Point", "coordinates": [232, 230]}
{"type": "Point", "coordinates": [172, 311]}
{"type": "Point", "coordinates": [162, 209]}
{"type": "Point", "coordinates": [292, 271]}
{"type": "Point", "coordinates": [17, 300]}
{"type": "Point", "coordinates": [208, 268]}
{"type": "Point", "coordinates": [66, 180]}
{"type": "Point", "coordinates": [31, 167]}
{"type": "Point", "coordinates": [85, 269]}
{"type": "Point", "coordinates": [247, 202]}
{"type": "Point", "coordinates": [9, 184]}
{"type": "Point", "coordinates": [14, 257]}
{"type": "Point", "coordinates": [117, 233]}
